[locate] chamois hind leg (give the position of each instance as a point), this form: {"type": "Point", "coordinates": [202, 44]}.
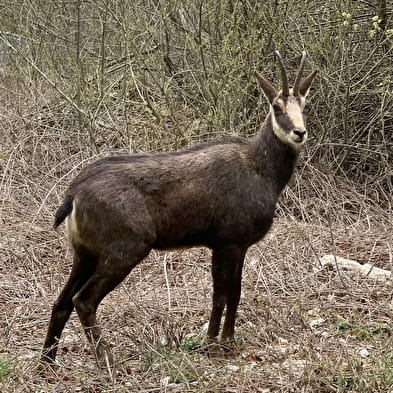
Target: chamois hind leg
{"type": "Point", "coordinates": [82, 269]}
{"type": "Point", "coordinates": [227, 263]}
{"type": "Point", "coordinates": [110, 272]}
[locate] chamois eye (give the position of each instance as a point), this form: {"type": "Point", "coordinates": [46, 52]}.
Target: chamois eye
{"type": "Point", "coordinates": [276, 107]}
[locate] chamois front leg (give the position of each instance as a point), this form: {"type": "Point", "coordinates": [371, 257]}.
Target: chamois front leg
{"type": "Point", "coordinates": [227, 264]}
{"type": "Point", "coordinates": [233, 296]}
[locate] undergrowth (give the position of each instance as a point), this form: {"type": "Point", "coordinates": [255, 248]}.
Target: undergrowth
{"type": "Point", "coordinates": [79, 82]}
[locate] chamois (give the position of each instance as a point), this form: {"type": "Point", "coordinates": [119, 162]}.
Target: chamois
{"type": "Point", "coordinates": [220, 194]}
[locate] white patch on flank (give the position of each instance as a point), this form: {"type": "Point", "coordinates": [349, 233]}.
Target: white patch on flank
{"type": "Point", "coordinates": [71, 224]}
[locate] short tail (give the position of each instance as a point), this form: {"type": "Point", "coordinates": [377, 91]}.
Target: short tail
{"type": "Point", "coordinates": [63, 211]}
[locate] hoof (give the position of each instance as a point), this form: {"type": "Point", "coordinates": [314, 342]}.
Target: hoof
{"type": "Point", "coordinates": [231, 345]}
{"type": "Point", "coordinates": [47, 369]}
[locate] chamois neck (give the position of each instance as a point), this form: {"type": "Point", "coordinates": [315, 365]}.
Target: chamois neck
{"type": "Point", "coordinates": [273, 159]}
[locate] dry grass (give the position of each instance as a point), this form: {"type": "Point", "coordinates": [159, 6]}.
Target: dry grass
{"type": "Point", "coordinates": [300, 328]}
{"type": "Point", "coordinates": [139, 77]}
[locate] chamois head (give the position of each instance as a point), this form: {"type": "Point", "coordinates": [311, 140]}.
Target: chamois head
{"type": "Point", "coordinates": [287, 105]}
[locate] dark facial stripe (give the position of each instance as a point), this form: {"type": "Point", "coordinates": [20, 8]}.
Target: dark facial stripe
{"type": "Point", "coordinates": [282, 119]}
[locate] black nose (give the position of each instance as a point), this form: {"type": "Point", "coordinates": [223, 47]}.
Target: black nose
{"type": "Point", "coordinates": [299, 133]}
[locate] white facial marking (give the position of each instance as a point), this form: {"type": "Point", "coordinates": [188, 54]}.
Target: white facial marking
{"type": "Point", "coordinates": [294, 111]}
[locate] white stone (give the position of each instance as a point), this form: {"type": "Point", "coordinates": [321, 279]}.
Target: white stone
{"type": "Point", "coordinates": [354, 266]}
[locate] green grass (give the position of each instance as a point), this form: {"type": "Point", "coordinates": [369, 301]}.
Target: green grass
{"type": "Point", "coordinates": [364, 332]}
{"type": "Point", "coordinates": [191, 343]}
{"type": "Point", "coordinates": [6, 367]}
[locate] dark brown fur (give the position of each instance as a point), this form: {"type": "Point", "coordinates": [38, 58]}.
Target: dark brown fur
{"type": "Point", "coordinates": [221, 195]}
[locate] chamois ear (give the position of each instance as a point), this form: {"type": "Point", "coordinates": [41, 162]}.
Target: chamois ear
{"type": "Point", "coordinates": [306, 84]}
{"type": "Point", "coordinates": [270, 92]}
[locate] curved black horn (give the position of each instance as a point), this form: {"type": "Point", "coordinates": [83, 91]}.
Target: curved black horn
{"type": "Point", "coordinates": [299, 74]}
{"type": "Point", "coordinates": [284, 77]}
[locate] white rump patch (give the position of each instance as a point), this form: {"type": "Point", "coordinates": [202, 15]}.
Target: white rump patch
{"type": "Point", "coordinates": [71, 224]}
